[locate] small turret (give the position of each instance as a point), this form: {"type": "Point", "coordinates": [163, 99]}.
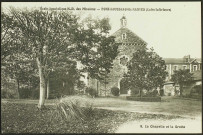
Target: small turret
{"type": "Point", "coordinates": [123, 22]}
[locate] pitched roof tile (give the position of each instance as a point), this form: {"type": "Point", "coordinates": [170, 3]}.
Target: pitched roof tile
{"type": "Point", "coordinates": [130, 37]}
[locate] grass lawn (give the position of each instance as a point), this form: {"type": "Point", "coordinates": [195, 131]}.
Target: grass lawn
{"type": "Point", "coordinates": [26, 118]}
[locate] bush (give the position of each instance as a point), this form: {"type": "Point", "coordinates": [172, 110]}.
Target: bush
{"type": "Point", "coordinates": [92, 92]}
{"type": "Point", "coordinates": [153, 93]}
{"type": "Point", "coordinates": [115, 91]}
{"type": "Point", "coordinates": [147, 99]}
{"type": "Point", "coordinates": [35, 93]}
{"type": "Point", "coordinates": [74, 107]}
{"type": "Point", "coordinates": [5, 94]}
{"type": "Point", "coordinates": [24, 93]}
{"type": "Point", "coordinates": [197, 89]}
{"type": "Point", "coordinates": [135, 91]}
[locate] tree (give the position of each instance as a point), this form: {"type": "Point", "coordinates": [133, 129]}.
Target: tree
{"type": "Point", "coordinates": [98, 49]}
{"type": "Point", "coordinates": [53, 38]}
{"type": "Point", "coordinates": [15, 64]}
{"type": "Point", "coordinates": [146, 70]}
{"type": "Point", "coordinates": [182, 77]}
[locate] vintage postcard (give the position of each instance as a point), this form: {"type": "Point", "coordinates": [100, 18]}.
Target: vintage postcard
{"type": "Point", "coordinates": [101, 67]}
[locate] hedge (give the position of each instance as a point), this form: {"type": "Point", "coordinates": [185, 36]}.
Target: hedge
{"type": "Point", "coordinates": [147, 99]}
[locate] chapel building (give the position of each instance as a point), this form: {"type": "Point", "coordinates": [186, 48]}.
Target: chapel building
{"type": "Point", "coordinates": [128, 42]}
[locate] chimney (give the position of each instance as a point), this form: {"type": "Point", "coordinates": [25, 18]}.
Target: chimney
{"type": "Point", "coordinates": [187, 58]}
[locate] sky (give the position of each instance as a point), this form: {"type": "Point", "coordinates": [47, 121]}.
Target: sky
{"type": "Point", "coordinates": [172, 34]}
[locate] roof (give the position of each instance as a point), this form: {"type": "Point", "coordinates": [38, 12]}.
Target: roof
{"type": "Point", "coordinates": [123, 17]}
{"type": "Point", "coordinates": [180, 60]}
{"type": "Point", "coordinates": [197, 75]}
{"type": "Point", "coordinates": [130, 37]}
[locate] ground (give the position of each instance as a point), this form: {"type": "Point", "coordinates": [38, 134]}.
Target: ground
{"type": "Point", "coordinates": [110, 115]}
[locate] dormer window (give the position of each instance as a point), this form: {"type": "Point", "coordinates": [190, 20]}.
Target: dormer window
{"type": "Point", "coordinates": [124, 36]}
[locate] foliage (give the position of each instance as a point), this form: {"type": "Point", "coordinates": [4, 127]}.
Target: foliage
{"type": "Point", "coordinates": [6, 94]}
{"type": "Point", "coordinates": [8, 88]}
{"type": "Point", "coordinates": [115, 91]}
{"type": "Point", "coordinates": [124, 85]}
{"type": "Point", "coordinates": [153, 93]}
{"type": "Point", "coordinates": [15, 63]}
{"type": "Point", "coordinates": [182, 77]}
{"type": "Point", "coordinates": [146, 70]}
{"type": "Point", "coordinates": [144, 98]}
{"type": "Point", "coordinates": [74, 107]}
{"type": "Point", "coordinates": [53, 38]}
{"type": "Point", "coordinates": [92, 92]}
{"type": "Point", "coordinates": [64, 80]}
{"type": "Point", "coordinates": [197, 89]}
{"type": "Point", "coordinates": [99, 50]}
{"type": "Point", "coordinates": [135, 90]}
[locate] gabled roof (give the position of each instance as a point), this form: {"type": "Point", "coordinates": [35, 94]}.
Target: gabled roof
{"type": "Point", "coordinates": [130, 37]}
{"type": "Point", "coordinates": [197, 75]}
{"type": "Point", "coordinates": [180, 60]}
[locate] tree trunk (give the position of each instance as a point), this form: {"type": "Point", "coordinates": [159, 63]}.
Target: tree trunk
{"type": "Point", "coordinates": [48, 88]}
{"type": "Point", "coordinates": [105, 85]}
{"type": "Point", "coordinates": [18, 94]}
{"type": "Point", "coordinates": [181, 90]}
{"type": "Point", "coordinates": [140, 93]}
{"type": "Point", "coordinates": [42, 85]}
{"type": "Point", "coordinates": [97, 87]}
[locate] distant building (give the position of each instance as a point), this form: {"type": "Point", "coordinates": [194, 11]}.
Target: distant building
{"type": "Point", "coordinates": [186, 62]}
{"type": "Point", "coordinates": [172, 64]}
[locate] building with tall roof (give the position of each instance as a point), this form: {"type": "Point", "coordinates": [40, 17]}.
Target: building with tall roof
{"type": "Point", "coordinates": [128, 42]}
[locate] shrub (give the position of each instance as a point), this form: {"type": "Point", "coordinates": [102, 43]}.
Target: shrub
{"type": "Point", "coordinates": [5, 94]}
{"type": "Point", "coordinates": [92, 92]}
{"type": "Point", "coordinates": [74, 107]}
{"type": "Point", "coordinates": [153, 93]}
{"type": "Point", "coordinates": [35, 93]}
{"type": "Point", "coordinates": [161, 92]}
{"type": "Point", "coordinates": [24, 93]}
{"type": "Point", "coordinates": [135, 91]}
{"type": "Point", "coordinates": [115, 91]}
{"type": "Point", "coordinates": [197, 89]}
{"type": "Point", "coordinates": [147, 99]}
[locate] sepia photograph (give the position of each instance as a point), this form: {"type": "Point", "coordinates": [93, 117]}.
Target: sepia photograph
{"type": "Point", "coordinates": [101, 67]}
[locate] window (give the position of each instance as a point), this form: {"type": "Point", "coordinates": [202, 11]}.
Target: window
{"type": "Point", "coordinates": [184, 67]}
{"type": "Point", "coordinates": [124, 36]}
{"type": "Point", "coordinates": [194, 67]}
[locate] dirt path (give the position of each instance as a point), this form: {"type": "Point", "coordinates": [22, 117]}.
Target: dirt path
{"type": "Point", "coordinates": [168, 105]}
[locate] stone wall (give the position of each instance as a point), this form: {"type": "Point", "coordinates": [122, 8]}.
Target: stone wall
{"type": "Point", "coordinates": [117, 71]}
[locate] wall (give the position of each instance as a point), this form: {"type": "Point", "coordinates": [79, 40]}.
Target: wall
{"type": "Point", "coordinates": [117, 71]}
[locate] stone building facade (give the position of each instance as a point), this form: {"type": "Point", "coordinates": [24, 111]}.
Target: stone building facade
{"type": "Point", "coordinates": [128, 42]}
